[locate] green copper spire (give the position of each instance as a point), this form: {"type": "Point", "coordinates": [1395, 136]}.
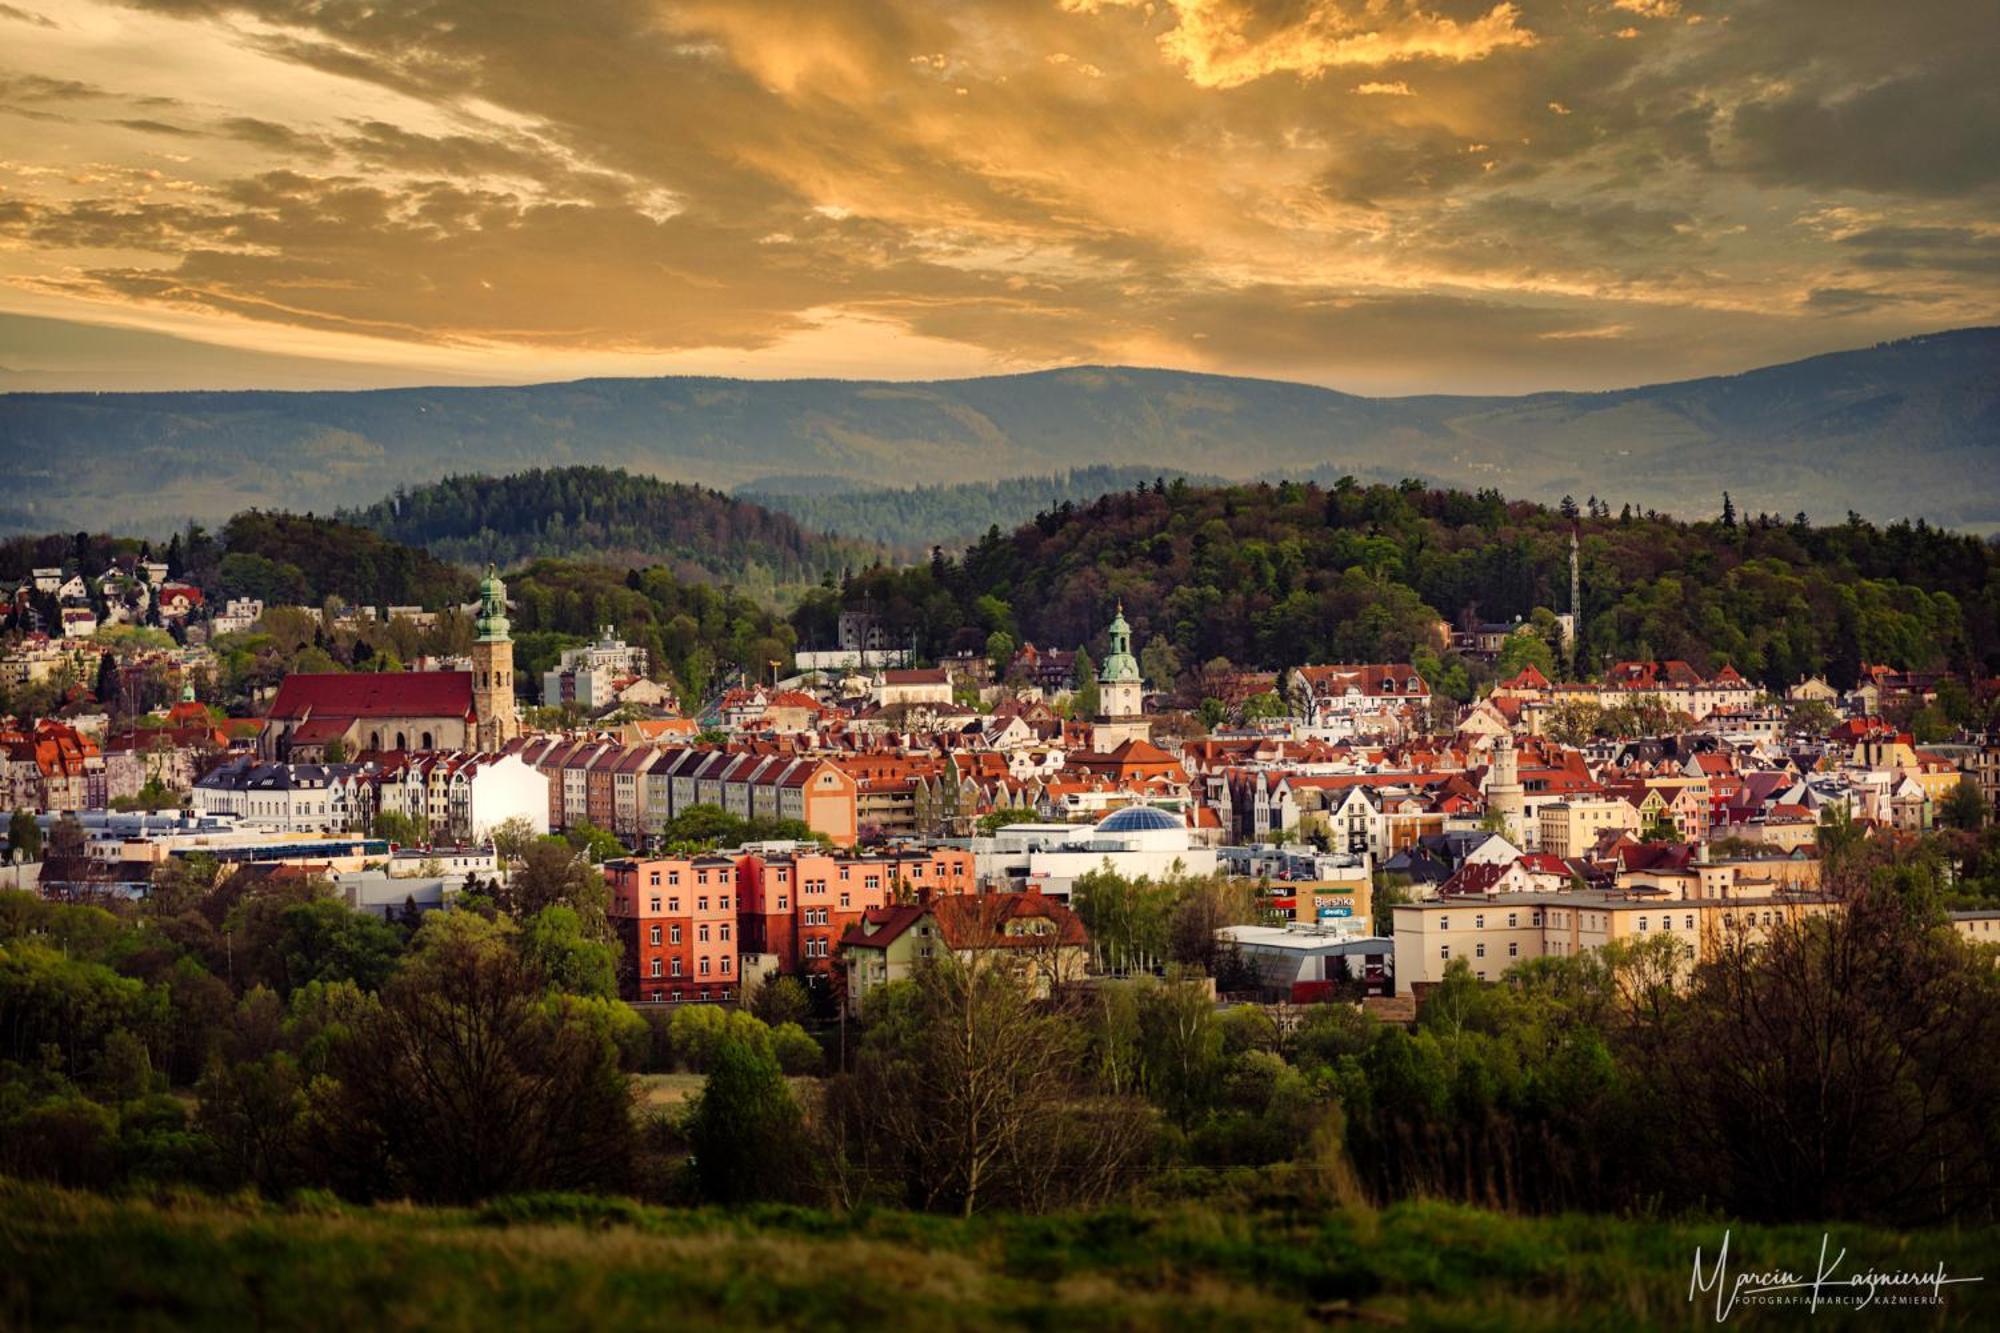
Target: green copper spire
{"type": "Point", "coordinates": [1119, 664]}
{"type": "Point", "coordinates": [492, 624]}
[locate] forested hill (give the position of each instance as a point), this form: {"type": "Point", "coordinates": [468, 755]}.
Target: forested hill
{"type": "Point", "coordinates": [610, 515]}
{"type": "Point", "coordinates": [921, 517]}
{"type": "Point", "coordinates": [1906, 428]}
{"type": "Point", "coordinates": [1277, 575]}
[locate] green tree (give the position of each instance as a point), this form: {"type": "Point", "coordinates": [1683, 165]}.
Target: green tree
{"type": "Point", "coordinates": [1963, 809]}
{"type": "Point", "coordinates": [745, 1130]}
{"type": "Point", "coordinates": [1000, 647]}
{"type": "Point", "coordinates": [779, 1000]}
{"type": "Point", "coordinates": [554, 942]}
{"type": "Point", "coordinates": [399, 828]}
{"type": "Point", "coordinates": [598, 844]}
{"type": "Point", "coordinates": [466, 1083]}
{"type": "Point", "coordinates": [24, 836]}
{"type": "Point", "coordinates": [325, 940]}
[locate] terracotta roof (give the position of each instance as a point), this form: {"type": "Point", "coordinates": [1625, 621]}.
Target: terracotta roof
{"type": "Point", "coordinates": [374, 694]}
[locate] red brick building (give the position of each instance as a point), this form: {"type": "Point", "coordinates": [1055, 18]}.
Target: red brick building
{"type": "Point", "coordinates": [796, 905]}
{"type": "Point", "coordinates": [676, 920]}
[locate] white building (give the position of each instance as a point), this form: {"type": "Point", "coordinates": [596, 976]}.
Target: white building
{"type": "Point", "coordinates": [237, 615]}
{"type": "Point", "coordinates": [462, 797]}
{"type": "Point", "coordinates": [1136, 841]}
{"type": "Point", "coordinates": [588, 676]}
{"type": "Point", "coordinates": [288, 798]}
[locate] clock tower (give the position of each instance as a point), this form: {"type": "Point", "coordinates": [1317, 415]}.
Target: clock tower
{"type": "Point", "coordinates": [1120, 692]}
{"type": "Point", "coordinates": [493, 667]}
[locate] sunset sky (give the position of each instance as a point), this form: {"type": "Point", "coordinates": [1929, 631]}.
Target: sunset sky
{"type": "Point", "coordinates": [1375, 195]}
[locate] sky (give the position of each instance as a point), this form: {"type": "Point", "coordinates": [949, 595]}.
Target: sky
{"type": "Point", "coordinates": [1382, 196]}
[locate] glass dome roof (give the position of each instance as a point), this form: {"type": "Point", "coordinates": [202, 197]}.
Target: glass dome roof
{"type": "Point", "coordinates": [1137, 819]}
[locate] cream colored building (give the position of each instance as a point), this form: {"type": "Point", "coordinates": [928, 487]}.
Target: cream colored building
{"type": "Point", "coordinates": [1493, 934]}
{"type": "Point", "coordinates": [1979, 927]}
{"type": "Point", "coordinates": [1570, 828]}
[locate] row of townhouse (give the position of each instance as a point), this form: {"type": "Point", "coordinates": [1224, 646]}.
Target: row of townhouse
{"type": "Point", "coordinates": [457, 797]}
{"type": "Point", "coordinates": [1673, 683]}
{"type": "Point", "coordinates": [685, 923]}
{"type": "Point", "coordinates": [635, 791]}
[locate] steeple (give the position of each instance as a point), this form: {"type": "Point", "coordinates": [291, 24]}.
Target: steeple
{"type": "Point", "coordinates": [493, 667]}
{"type": "Point", "coordinates": [492, 626]}
{"type": "Point", "coordinates": [1120, 667]}
{"type": "Point", "coordinates": [1121, 692]}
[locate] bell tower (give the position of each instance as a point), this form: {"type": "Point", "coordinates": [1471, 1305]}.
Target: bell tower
{"type": "Point", "coordinates": [493, 668]}
{"type": "Point", "coordinates": [1120, 692]}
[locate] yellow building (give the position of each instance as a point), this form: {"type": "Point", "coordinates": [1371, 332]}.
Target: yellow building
{"type": "Point", "coordinates": [1493, 933]}
{"type": "Point", "coordinates": [1570, 828]}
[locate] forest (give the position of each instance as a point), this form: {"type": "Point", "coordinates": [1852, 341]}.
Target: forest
{"type": "Point", "coordinates": [613, 516]}
{"type": "Point", "coordinates": [916, 518]}
{"type": "Point", "coordinates": [1275, 575]}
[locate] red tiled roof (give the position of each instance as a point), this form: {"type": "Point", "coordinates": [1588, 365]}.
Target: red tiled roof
{"type": "Point", "coordinates": [375, 694]}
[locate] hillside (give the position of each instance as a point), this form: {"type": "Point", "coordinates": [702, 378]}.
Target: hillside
{"type": "Point", "coordinates": [1281, 575]}
{"type": "Point", "coordinates": [919, 517]}
{"type": "Point", "coordinates": [610, 515]}
{"type": "Point", "coordinates": [1907, 428]}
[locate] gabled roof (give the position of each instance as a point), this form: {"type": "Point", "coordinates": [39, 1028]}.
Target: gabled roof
{"type": "Point", "coordinates": [374, 694]}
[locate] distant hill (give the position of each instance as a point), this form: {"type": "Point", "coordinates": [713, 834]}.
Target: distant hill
{"type": "Point", "coordinates": [918, 517]}
{"type": "Point", "coordinates": [610, 515]}
{"type": "Point", "coordinates": [1906, 428]}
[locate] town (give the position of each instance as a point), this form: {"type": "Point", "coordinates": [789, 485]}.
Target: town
{"type": "Point", "coordinates": [798, 825]}
{"type": "Point", "coordinates": [1095, 664]}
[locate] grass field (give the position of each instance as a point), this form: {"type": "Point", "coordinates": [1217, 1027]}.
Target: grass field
{"type": "Point", "coordinates": [70, 1260]}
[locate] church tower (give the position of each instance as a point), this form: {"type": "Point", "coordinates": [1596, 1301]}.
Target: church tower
{"type": "Point", "coordinates": [1120, 692]}
{"type": "Point", "coordinates": [493, 668]}
{"type": "Point", "coordinates": [1505, 796]}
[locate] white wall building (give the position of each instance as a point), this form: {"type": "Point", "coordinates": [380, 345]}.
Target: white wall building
{"type": "Point", "coordinates": [1137, 840]}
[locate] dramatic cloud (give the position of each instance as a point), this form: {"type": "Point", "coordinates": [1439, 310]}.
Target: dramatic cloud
{"type": "Point", "coordinates": [1374, 194]}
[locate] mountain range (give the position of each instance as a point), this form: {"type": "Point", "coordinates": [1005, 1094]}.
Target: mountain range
{"type": "Point", "coordinates": [1909, 428]}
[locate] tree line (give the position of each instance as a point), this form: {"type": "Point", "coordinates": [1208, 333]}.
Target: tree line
{"type": "Point", "coordinates": [253, 1030]}
{"type": "Point", "coordinates": [1276, 575]}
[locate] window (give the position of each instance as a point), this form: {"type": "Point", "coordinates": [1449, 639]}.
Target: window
{"type": "Point", "coordinates": [673, 877]}
{"type": "Point", "coordinates": [1479, 921]}
{"type": "Point", "coordinates": [656, 935]}
{"type": "Point", "coordinates": [656, 963]}
{"type": "Point", "coordinates": [1479, 950]}
{"type": "Point", "coordinates": [1444, 923]}
{"type": "Point", "coordinates": [724, 935]}
{"type": "Point", "coordinates": [701, 903]}
{"type": "Point", "coordinates": [677, 967]}
{"type": "Point", "coordinates": [704, 966]}
{"type": "Point", "coordinates": [701, 932]}
{"type": "Point", "coordinates": [673, 904]}
{"type": "Point", "coordinates": [1513, 949]}
{"type": "Point", "coordinates": [1690, 921]}
{"type": "Point", "coordinates": [725, 965]}
{"type": "Point", "coordinates": [656, 879]}
{"type": "Point", "coordinates": [1511, 922]}
{"type": "Point", "coordinates": [843, 898]}
{"type": "Point", "coordinates": [1642, 924]}
{"type": "Point", "coordinates": [1537, 919]}
{"type": "Point", "coordinates": [674, 932]}
{"type": "Point", "coordinates": [1444, 951]}
{"type": "Point", "coordinates": [784, 901]}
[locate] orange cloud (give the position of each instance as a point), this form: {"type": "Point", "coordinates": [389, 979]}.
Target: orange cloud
{"type": "Point", "coordinates": [1227, 43]}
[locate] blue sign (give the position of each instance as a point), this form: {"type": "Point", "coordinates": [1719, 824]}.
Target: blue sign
{"type": "Point", "coordinates": [1330, 911]}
